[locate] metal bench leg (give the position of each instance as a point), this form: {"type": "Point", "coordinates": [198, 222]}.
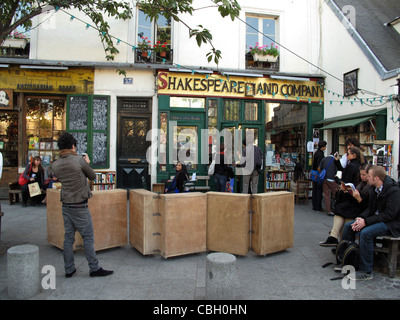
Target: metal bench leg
{"type": "Point", "coordinates": [392, 255]}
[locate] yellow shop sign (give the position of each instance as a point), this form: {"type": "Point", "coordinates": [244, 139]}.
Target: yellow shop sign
{"type": "Point", "coordinates": [173, 83]}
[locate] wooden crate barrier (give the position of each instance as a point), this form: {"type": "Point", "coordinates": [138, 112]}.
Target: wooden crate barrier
{"type": "Point", "coordinates": [109, 215]}
{"type": "Point", "coordinates": [228, 222]}
{"type": "Point", "coordinates": [183, 223]}
{"type": "Point", "coordinates": [144, 221]}
{"type": "Point", "coordinates": [171, 224]}
{"type": "Point", "coordinates": [272, 222]}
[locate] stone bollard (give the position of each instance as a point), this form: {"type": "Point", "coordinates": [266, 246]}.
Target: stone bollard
{"type": "Point", "coordinates": [221, 276]}
{"type": "Point", "coordinates": [23, 271]}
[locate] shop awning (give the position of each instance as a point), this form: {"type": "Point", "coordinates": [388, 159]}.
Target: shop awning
{"type": "Point", "coordinates": [350, 120]}
{"type": "Point", "coordinates": [346, 123]}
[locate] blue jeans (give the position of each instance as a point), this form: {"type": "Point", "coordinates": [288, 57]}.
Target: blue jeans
{"type": "Point", "coordinates": [220, 182]}
{"type": "Point", "coordinates": [367, 237]}
{"type": "Point", "coordinates": [78, 219]}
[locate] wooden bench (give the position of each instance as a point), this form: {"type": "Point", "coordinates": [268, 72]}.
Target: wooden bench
{"type": "Point", "coordinates": [194, 188]}
{"type": "Point", "coordinates": [14, 190]}
{"type": "Point", "coordinates": [390, 246]}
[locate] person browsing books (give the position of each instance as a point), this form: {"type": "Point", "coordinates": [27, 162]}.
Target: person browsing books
{"type": "Point", "coordinates": [329, 186]}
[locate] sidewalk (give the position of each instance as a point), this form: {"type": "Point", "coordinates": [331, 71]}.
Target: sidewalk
{"type": "Point", "coordinates": [293, 274]}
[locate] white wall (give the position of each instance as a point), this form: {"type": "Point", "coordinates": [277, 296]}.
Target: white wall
{"type": "Point", "coordinates": [340, 54]}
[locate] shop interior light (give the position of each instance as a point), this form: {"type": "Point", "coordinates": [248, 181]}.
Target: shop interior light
{"type": "Point", "coordinates": [43, 67]}
{"type": "Point", "coordinates": [4, 65]}
{"type": "Point", "coordinates": [290, 78]}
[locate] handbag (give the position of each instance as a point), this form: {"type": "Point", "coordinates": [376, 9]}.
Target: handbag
{"type": "Point", "coordinates": [211, 168]}
{"type": "Point", "coordinates": [23, 181]}
{"type": "Point", "coordinates": [314, 175]}
{"type": "Point", "coordinates": [34, 189]}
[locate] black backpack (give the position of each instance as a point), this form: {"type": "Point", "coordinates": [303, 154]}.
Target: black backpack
{"type": "Point", "coordinates": [347, 253]}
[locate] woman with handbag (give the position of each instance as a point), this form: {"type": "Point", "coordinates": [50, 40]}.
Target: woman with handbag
{"type": "Point", "coordinates": [33, 173]}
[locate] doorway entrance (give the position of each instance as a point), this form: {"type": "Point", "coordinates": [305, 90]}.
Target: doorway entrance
{"type": "Point", "coordinates": [134, 121]}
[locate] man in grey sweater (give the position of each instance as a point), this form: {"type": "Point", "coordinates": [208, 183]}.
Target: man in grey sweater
{"type": "Point", "coordinates": [73, 171]}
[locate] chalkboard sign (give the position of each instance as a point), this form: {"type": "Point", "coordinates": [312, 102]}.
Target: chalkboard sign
{"type": "Point", "coordinates": [99, 153]}
{"type": "Point", "coordinates": [81, 142]}
{"type": "Point", "coordinates": [100, 113]}
{"type": "Point", "coordinates": [78, 112]}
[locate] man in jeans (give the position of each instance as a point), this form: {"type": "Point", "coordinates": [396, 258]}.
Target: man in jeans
{"type": "Point", "coordinates": [382, 217]}
{"type": "Point", "coordinates": [329, 186]}
{"type": "Point", "coordinates": [73, 172]}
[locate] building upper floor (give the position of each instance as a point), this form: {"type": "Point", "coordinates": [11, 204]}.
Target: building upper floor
{"type": "Point", "coordinates": [291, 27]}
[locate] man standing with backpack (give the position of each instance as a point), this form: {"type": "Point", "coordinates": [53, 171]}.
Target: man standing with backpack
{"type": "Point", "coordinates": [317, 188]}
{"type": "Point", "coordinates": [329, 185]}
{"type": "Point", "coordinates": [251, 167]}
{"type": "Point", "coordinates": [380, 218]}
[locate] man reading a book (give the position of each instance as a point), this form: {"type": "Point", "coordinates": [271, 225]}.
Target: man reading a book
{"type": "Point", "coordinates": [381, 217]}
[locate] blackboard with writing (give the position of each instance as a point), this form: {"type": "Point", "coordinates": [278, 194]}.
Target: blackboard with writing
{"type": "Point", "coordinates": [100, 113]}
{"type": "Point", "coordinates": [78, 112]}
{"type": "Point", "coordinates": [99, 153]}
{"type": "Point", "coordinates": [81, 142]}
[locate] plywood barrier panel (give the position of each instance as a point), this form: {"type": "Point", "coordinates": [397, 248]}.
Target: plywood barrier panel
{"type": "Point", "coordinates": [109, 215]}
{"type": "Point", "coordinates": [228, 222]}
{"type": "Point", "coordinates": [272, 222]}
{"type": "Point", "coordinates": [183, 223]}
{"type": "Point", "coordinates": [55, 222]}
{"type": "Point", "coordinates": [109, 209]}
{"type": "Point", "coordinates": [144, 221]}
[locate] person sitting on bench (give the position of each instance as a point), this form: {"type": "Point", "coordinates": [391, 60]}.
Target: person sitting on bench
{"type": "Point", "coordinates": [380, 218]}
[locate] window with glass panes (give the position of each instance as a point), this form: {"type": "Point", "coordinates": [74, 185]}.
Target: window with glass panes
{"type": "Point", "coordinates": [155, 32]}
{"type": "Point", "coordinates": [267, 31]}
{"type": "Point", "coordinates": [45, 122]}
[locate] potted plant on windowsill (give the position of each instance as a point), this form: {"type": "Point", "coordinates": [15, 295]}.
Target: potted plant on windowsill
{"type": "Point", "coordinates": [161, 48]}
{"type": "Point", "coordinates": [144, 46]}
{"type": "Point", "coordinates": [15, 40]}
{"type": "Point", "coordinates": [265, 53]}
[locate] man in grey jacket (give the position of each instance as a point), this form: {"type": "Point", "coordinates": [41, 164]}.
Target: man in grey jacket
{"type": "Point", "coordinates": [73, 171]}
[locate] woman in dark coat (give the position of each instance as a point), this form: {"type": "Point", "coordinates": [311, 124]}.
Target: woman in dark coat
{"type": "Point", "coordinates": [178, 182]}
{"type": "Point", "coordinates": [34, 173]}
{"type": "Point", "coordinates": [349, 205]}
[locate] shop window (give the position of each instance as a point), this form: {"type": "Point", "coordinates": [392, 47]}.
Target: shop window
{"type": "Point", "coordinates": [231, 111]}
{"type": "Point", "coordinates": [180, 102]}
{"type": "Point", "coordinates": [153, 40]}
{"type": "Point", "coordinates": [45, 121]}
{"type": "Point", "coordinates": [212, 114]}
{"type": "Point", "coordinates": [163, 141]}
{"type": "Point", "coordinates": [185, 144]}
{"type": "Point", "coordinates": [9, 138]}
{"type": "Point", "coordinates": [250, 111]}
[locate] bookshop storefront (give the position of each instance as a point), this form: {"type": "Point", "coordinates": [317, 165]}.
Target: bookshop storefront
{"type": "Point", "coordinates": [35, 113]}
{"type": "Point", "coordinates": [191, 105]}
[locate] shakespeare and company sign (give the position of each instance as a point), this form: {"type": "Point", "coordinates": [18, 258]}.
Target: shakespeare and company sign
{"type": "Point", "coordinates": [173, 83]}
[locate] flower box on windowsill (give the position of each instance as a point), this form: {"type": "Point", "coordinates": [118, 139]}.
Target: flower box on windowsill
{"type": "Point", "coordinates": [14, 43]}
{"type": "Point", "coordinates": [266, 58]}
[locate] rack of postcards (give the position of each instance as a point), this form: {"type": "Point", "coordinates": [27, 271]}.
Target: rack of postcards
{"type": "Point", "coordinates": [105, 180]}
{"type": "Point", "coordinates": [382, 154]}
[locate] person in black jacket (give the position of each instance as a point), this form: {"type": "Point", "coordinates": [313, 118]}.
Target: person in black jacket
{"type": "Point", "coordinates": [317, 187]}
{"type": "Point", "coordinates": [178, 182]}
{"type": "Point", "coordinates": [381, 217]}
{"type": "Point", "coordinates": [347, 206]}
{"type": "Point", "coordinates": [221, 170]}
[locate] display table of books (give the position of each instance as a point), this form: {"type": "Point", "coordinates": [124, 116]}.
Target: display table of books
{"type": "Point", "coordinates": [272, 222]}
{"type": "Point", "coordinates": [170, 224]}
{"type": "Point", "coordinates": [109, 214]}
